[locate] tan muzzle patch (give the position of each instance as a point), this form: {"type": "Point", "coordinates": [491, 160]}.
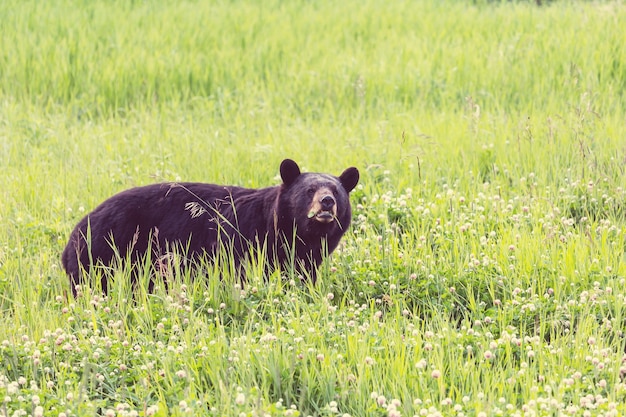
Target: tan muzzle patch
{"type": "Point", "coordinates": [324, 206]}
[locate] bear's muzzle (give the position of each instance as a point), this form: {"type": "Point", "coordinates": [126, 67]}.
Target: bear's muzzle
{"type": "Point", "coordinates": [324, 207]}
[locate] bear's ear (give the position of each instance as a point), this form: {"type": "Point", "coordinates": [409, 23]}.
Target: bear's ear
{"type": "Point", "coordinates": [349, 178]}
{"type": "Point", "coordinates": [289, 171]}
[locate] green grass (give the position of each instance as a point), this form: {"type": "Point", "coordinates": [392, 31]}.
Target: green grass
{"type": "Point", "coordinates": [486, 266]}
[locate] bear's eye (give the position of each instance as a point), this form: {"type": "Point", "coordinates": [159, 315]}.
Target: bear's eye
{"type": "Point", "coordinates": [310, 192]}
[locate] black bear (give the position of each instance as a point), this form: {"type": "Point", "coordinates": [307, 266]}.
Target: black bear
{"type": "Point", "coordinates": [298, 221]}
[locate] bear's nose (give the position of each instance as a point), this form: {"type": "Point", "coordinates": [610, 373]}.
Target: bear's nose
{"type": "Point", "coordinates": [327, 202]}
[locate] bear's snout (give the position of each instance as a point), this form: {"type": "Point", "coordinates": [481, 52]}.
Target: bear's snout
{"type": "Point", "coordinates": [324, 206]}
{"type": "Point", "coordinates": [327, 202]}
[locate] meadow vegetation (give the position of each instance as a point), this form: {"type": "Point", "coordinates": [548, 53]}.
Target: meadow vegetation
{"type": "Point", "coordinates": [485, 270]}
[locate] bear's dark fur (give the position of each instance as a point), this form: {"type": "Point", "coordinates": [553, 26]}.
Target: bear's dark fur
{"type": "Point", "coordinates": [300, 220]}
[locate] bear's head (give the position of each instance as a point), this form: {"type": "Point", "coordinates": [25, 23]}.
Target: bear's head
{"type": "Point", "coordinates": [318, 203]}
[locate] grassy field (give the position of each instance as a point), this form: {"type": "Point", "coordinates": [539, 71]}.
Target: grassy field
{"type": "Point", "coordinates": [484, 273]}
